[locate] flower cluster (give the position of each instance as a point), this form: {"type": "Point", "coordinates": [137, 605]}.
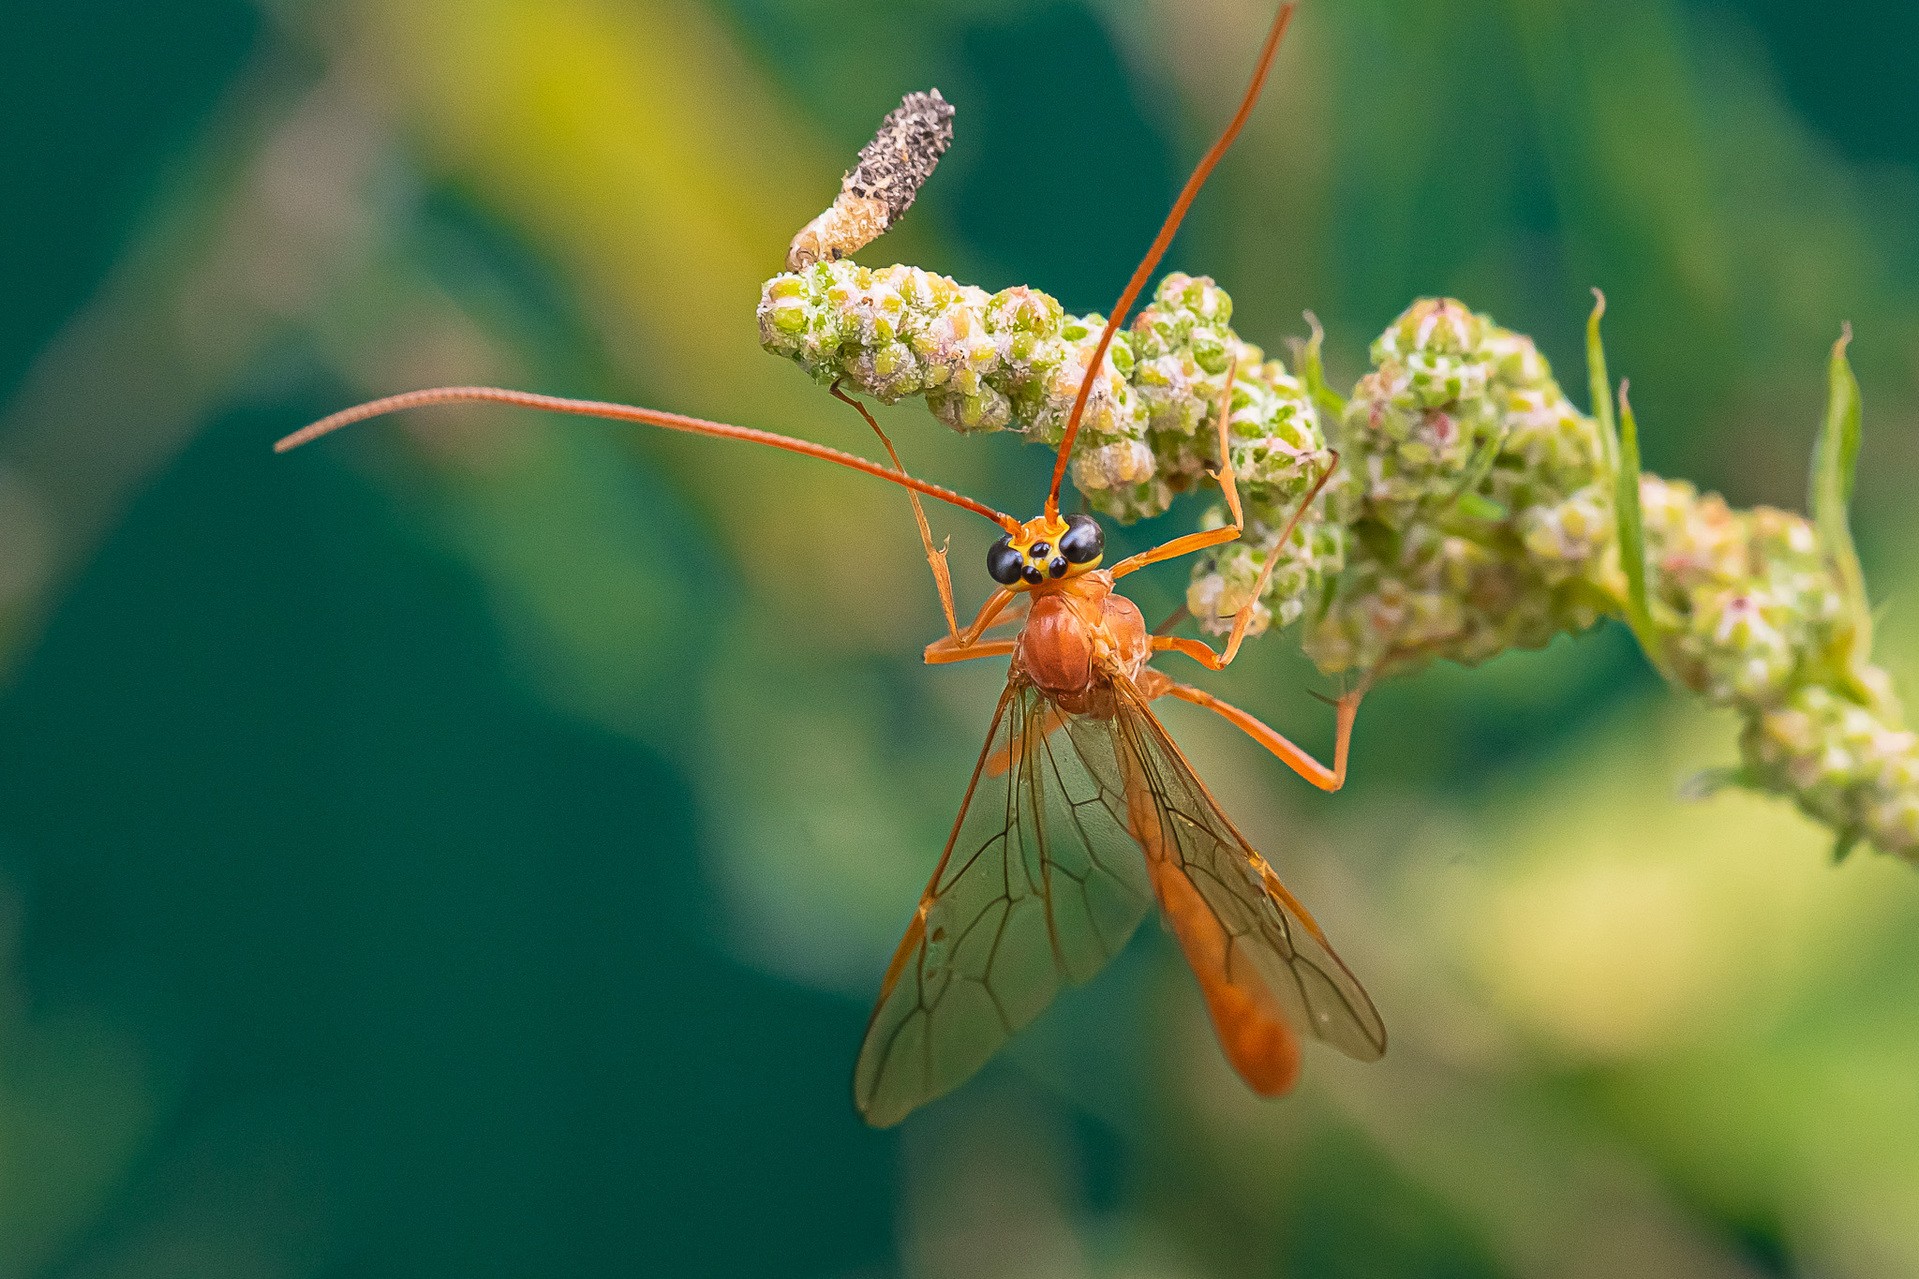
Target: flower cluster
{"type": "Point", "coordinates": [1474, 510]}
{"type": "Point", "coordinates": [1743, 600]}
{"type": "Point", "coordinates": [1014, 360]}
{"type": "Point", "coordinates": [1844, 764]}
{"type": "Point", "coordinates": [1749, 615]}
{"type": "Point", "coordinates": [1224, 578]}
{"type": "Point", "coordinates": [1477, 498]}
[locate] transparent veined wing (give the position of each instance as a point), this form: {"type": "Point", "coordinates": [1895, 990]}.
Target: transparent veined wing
{"type": "Point", "coordinates": [1263, 963]}
{"type": "Point", "coordinates": [1040, 885]}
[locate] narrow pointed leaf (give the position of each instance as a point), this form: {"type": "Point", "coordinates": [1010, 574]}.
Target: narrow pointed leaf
{"type": "Point", "coordinates": [1328, 401]}
{"type": "Point", "coordinates": [1835, 461]}
{"type": "Point", "coordinates": [1632, 530]}
{"type": "Point", "coordinates": [1621, 437]}
{"type": "Point", "coordinates": [1598, 383]}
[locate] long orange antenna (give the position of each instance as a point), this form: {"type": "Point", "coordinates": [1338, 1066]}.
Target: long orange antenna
{"type": "Point", "coordinates": [1158, 249]}
{"type": "Point", "coordinates": [629, 413]}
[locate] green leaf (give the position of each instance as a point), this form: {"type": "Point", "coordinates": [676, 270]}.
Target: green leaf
{"type": "Point", "coordinates": [1327, 400]}
{"type": "Point", "coordinates": [1842, 846]}
{"type": "Point", "coordinates": [1621, 439]}
{"type": "Point", "coordinates": [1479, 466]}
{"type": "Point", "coordinates": [1632, 528]}
{"type": "Point", "coordinates": [1835, 460]}
{"type": "Point", "coordinates": [1477, 506]}
{"type": "Point", "coordinates": [1597, 381]}
{"type": "Point", "coordinates": [1708, 782]}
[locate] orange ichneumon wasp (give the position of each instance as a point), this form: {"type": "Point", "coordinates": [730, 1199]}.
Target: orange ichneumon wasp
{"type": "Point", "coordinates": [1081, 811]}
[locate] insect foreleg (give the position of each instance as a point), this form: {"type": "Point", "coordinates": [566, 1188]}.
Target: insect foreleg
{"type": "Point", "coordinates": [962, 645]}
{"type": "Point", "coordinates": [943, 652]}
{"type": "Point", "coordinates": [935, 555]}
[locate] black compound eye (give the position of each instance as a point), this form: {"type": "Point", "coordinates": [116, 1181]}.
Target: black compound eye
{"type": "Point", "coordinates": [1003, 563]}
{"type": "Point", "coordinates": [1083, 542]}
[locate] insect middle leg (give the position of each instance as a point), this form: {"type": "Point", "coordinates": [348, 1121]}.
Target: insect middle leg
{"type": "Point", "coordinates": [1186, 545]}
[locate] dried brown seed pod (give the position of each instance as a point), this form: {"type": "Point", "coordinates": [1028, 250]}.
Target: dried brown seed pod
{"type": "Point", "coordinates": [881, 187]}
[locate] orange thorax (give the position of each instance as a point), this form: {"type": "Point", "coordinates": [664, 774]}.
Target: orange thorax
{"type": "Point", "coordinates": [1079, 633]}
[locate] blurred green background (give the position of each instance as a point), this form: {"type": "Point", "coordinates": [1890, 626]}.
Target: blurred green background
{"type": "Point", "coordinates": [470, 846]}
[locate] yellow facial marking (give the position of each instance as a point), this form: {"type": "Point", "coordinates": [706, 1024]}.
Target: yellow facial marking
{"type": "Point", "coordinates": [1046, 550]}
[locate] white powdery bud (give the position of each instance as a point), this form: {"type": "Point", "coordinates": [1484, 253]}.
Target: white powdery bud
{"type": "Point", "coordinates": [1891, 809]}
{"type": "Point", "coordinates": [1435, 353]}
{"type": "Point", "coordinates": [1110, 466]}
{"type": "Point", "coordinates": [1111, 412]}
{"type": "Point", "coordinates": [1843, 764]}
{"type": "Point", "coordinates": [1566, 537]}
{"type": "Point", "coordinates": [1174, 392]}
{"type": "Point", "coordinates": [1785, 549]}
{"type": "Point", "coordinates": [1273, 435]}
{"type": "Point", "coordinates": [1893, 825]}
{"type": "Point", "coordinates": [1692, 541]}
{"type": "Point", "coordinates": [983, 410]}
{"type": "Point", "coordinates": [1516, 361]}
{"type": "Point", "coordinates": [1558, 449]}
{"type": "Point", "coordinates": [1224, 580]}
{"type": "Point", "coordinates": [958, 351]}
{"type": "Point", "coordinates": [1898, 763]}
{"type": "Point", "coordinates": [1214, 598]}
{"type": "Point", "coordinates": [1741, 648]}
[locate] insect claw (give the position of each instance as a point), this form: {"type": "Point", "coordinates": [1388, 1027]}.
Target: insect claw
{"type": "Point", "coordinates": [1347, 695]}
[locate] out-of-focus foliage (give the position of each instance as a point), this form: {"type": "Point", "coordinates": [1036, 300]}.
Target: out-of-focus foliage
{"type": "Point", "coordinates": [472, 845]}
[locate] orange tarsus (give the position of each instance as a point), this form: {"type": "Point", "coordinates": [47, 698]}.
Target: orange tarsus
{"type": "Point", "coordinates": [938, 652]}
{"type": "Point", "coordinates": [628, 413]}
{"type": "Point", "coordinates": [1158, 248]}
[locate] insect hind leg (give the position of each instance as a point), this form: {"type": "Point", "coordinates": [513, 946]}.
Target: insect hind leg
{"type": "Point", "coordinates": [1297, 758]}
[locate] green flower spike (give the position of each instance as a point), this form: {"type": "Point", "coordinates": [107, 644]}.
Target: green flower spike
{"type": "Point", "coordinates": [1764, 612]}
{"type": "Point", "coordinates": [1476, 497]}
{"type": "Point", "coordinates": [1476, 510]}
{"type": "Point", "coordinates": [1013, 360]}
